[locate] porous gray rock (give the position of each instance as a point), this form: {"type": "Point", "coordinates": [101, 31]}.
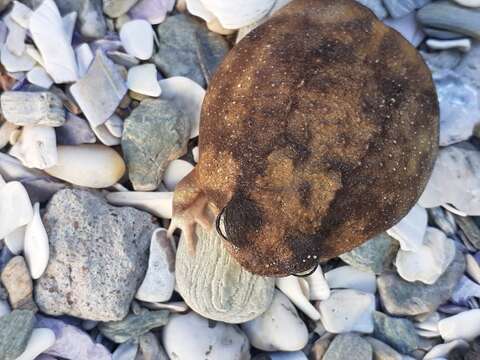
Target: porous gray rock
{"type": "Point", "coordinates": [15, 330]}
{"type": "Point", "coordinates": [349, 346]}
{"type": "Point", "coordinates": [398, 333]}
{"type": "Point", "coordinates": [99, 256]}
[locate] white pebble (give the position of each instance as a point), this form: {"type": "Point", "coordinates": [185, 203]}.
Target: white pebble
{"type": "Point", "coordinates": [15, 208]}
{"type": "Point", "coordinates": [195, 154]}
{"type": "Point", "coordinates": [137, 39]}
{"type": "Point", "coordinates": [175, 172]}
{"type": "Point", "coordinates": [142, 79]}
{"type": "Point", "coordinates": [84, 57]}
{"type": "Point", "coordinates": [40, 340]}
{"type": "Point", "coordinates": [348, 277]}
{"type": "Point", "coordinates": [38, 76]}
{"type": "Point", "coordinates": [36, 245]}
{"type": "Point", "coordinates": [465, 325]}
{"type": "Point", "coordinates": [159, 204]}
{"type": "Point", "coordinates": [318, 286]}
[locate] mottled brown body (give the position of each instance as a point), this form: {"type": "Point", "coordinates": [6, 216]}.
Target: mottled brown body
{"type": "Point", "coordinates": [318, 131]}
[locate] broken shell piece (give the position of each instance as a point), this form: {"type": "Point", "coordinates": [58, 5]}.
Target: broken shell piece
{"type": "Point", "coordinates": [84, 58]}
{"type": "Point", "coordinates": [75, 131]}
{"type": "Point", "coordinates": [15, 208]}
{"type": "Point", "coordinates": [36, 147]}
{"type": "Point", "coordinates": [38, 76]}
{"type": "Point", "coordinates": [21, 13]}
{"type": "Point", "coordinates": [441, 351]}
{"type": "Point", "coordinates": [15, 240]}
{"type": "Point", "coordinates": [36, 247]}
{"type": "Point", "coordinates": [94, 166]}
{"type": "Point", "coordinates": [15, 41]}
{"type": "Point", "coordinates": [175, 172]}
{"type": "Point", "coordinates": [6, 130]}
{"type": "Point", "coordinates": [318, 286]}
{"type": "Point", "coordinates": [348, 277]}
{"type": "Point", "coordinates": [124, 59]}
{"type": "Point", "coordinates": [32, 108]}
{"type": "Point", "coordinates": [34, 54]}
{"type": "Point", "coordinates": [156, 203]}
{"type": "Point", "coordinates": [137, 38]}
{"type": "Point", "coordinates": [290, 286]}
{"type": "Point", "coordinates": [13, 63]}
{"type": "Point", "coordinates": [143, 80]}
{"type": "Point", "coordinates": [154, 11]}
{"type": "Point", "coordinates": [104, 135]}
{"type": "Point", "coordinates": [40, 340]}
{"type": "Point", "coordinates": [48, 33]}
{"type": "Point", "coordinates": [411, 229]}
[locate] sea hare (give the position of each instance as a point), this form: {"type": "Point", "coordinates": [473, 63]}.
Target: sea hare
{"type": "Point", "coordinates": [318, 131]}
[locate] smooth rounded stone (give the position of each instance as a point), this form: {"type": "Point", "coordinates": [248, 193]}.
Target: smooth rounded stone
{"type": "Point", "coordinates": [408, 26]}
{"type": "Point", "coordinates": [382, 351]}
{"type": "Point", "coordinates": [296, 290]}
{"type": "Point", "coordinates": [175, 172]}
{"type": "Point", "coordinates": [468, 3]}
{"type": "Point", "coordinates": [40, 340]}
{"type": "Point", "coordinates": [137, 39]}
{"type": "Point", "coordinates": [187, 48]}
{"type": "Point", "coordinates": [16, 279]}
{"type": "Point", "coordinates": [15, 331]}
{"type": "Point", "coordinates": [75, 131]}
{"type": "Point", "coordinates": [234, 295]}
{"type": "Point", "coordinates": [149, 348]}
{"type": "Point", "coordinates": [125, 351]}
{"type": "Point", "coordinates": [277, 329]}
{"type": "Point", "coordinates": [15, 208]}
{"type": "Point", "coordinates": [376, 6]}
{"type": "Point", "coordinates": [71, 342]}
{"type": "Point", "coordinates": [133, 325]}
{"type": "Point", "coordinates": [159, 281]}
{"type": "Point", "coordinates": [38, 76]}
{"type": "Point", "coordinates": [116, 8]}
{"type": "Point", "coordinates": [398, 333]}
{"type": "Point", "coordinates": [410, 231]}
{"type": "Point", "coordinates": [455, 180]}
{"type": "Point", "coordinates": [349, 346]}
{"type": "Point", "coordinates": [112, 243]}
{"type": "Point", "coordinates": [400, 8]}
{"type": "Point", "coordinates": [348, 310]}
{"type": "Point", "coordinates": [89, 165]}
{"type": "Point", "coordinates": [154, 134]}
{"type": "Point", "coordinates": [450, 16]}
{"type": "Point", "coordinates": [441, 34]}
{"type": "Point", "coordinates": [463, 45]}
{"type": "Point", "coordinates": [348, 277]}
{"type": "Point", "coordinates": [400, 297]}
{"type": "Point", "coordinates": [105, 136]}
{"type": "Point", "coordinates": [429, 262]}
{"type": "Point", "coordinates": [374, 255]}
{"type": "Point", "coordinates": [143, 80]}
{"type": "Point", "coordinates": [156, 203]}
{"type": "Point", "coordinates": [187, 336]}
{"type": "Point", "coordinates": [154, 11]}
{"type": "Point", "coordinates": [465, 325]}
{"type": "Point", "coordinates": [36, 246]}
{"type": "Point", "coordinates": [442, 350]}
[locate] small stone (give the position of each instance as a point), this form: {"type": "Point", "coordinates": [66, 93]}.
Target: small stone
{"type": "Point", "coordinates": [349, 346]}
{"type": "Point", "coordinates": [465, 325]}
{"type": "Point", "coordinates": [116, 8]}
{"type": "Point", "coordinates": [442, 34]}
{"type": "Point", "coordinates": [376, 6]}
{"type": "Point", "coordinates": [149, 348]}
{"type": "Point", "coordinates": [175, 172]}
{"type": "Point", "coordinates": [40, 341]}
{"type": "Point", "coordinates": [137, 39]}
{"type": "Point", "coordinates": [470, 229]}
{"type": "Point", "coordinates": [464, 291]}
{"type": "Point", "coordinates": [318, 288]}
{"type": "Point", "coordinates": [398, 333]}
{"type": "Point", "coordinates": [143, 80]}
{"type": "Point", "coordinates": [99, 256]}
{"type": "Point", "coordinates": [348, 277]}
{"type": "Point", "coordinates": [400, 8]}
{"type": "Point", "coordinates": [125, 351]}
{"type": "Point", "coordinates": [155, 133]}
{"type": "Point", "coordinates": [133, 325]}
{"type": "Point", "coordinates": [320, 346]}
{"type": "Point", "coordinates": [159, 204]}
{"type": "Point", "coordinates": [382, 351]}
{"type": "Point", "coordinates": [16, 279]}
{"type": "Point", "coordinates": [91, 22]}
{"type": "Point", "coordinates": [375, 255]}
{"type": "Point", "coordinates": [75, 131]}
{"type": "Point", "coordinates": [15, 331]}
{"type": "Point", "coordinates": [410, 231]}
{"type": "Point", "coordinates": [38, 76]}
{"type": "Point", "coordinates": [154, 11]}
{"type": "Point", "coordinates": [442, 350]}
{"type": "Point", "coordinates": [187, 48]}
{"type": "Point", "coordinates": [400, 297]}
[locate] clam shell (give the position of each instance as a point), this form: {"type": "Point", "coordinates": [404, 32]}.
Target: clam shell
{"type": "Point", "coordinates": [36, 246]}
{"type": "Point", "coordinates": [157, 203]}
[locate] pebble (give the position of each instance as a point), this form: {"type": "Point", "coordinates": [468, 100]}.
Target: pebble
{"type": "Point", "coordinates": [125, 351]}
{"type": "Point", "coordinates": [75, 131]}
{"type": "Point", "coordinates": [442, 350]}
{"type": "Point", "coordinates": [133, 325]}
{"type": "Point", "coordinates": [159, 204]}
{"type": "Point", "coordinates": [84, 58]}
{"type": "Point", "coordinates": [4, 308]}
{"type": "Point", "coordinates": [376, 6]}
{"type": "Point", "coordinates": [36, 147]}
{"type": "Point", "coordinates": [465, 325]}
{"type": "Point", "coordinates": [187, 336]}
{"type": "Point", "coordinates": [40, 340]}
{"type": "Point", "coordinates": [137, 39]}
{"type": "Point", "coordinates": [349, 346]}
{"type": "Point", "coordinates": [374, 255]}
{"type": "Point", "coordinates": [445, 221]}
{"type": "Point", "coordinates": [441, 34]}
{"type": "Point", "coordinates": [296, 355]}
{"type": "Point", "coordinates": [348, 310]}
{"type": "Point", "coordinates": [15, 208]}
{"type": "Point", "coordinates": [320, 346]}
{"type": "Point", "coordinates": [292, 287]}
{"type": "Point", "coordinates": [16, 279]}
{"type": "Point", "coordinates": [91, 22]}
{"type": "Point", "coordinates": [400, 297]}
{"type": "Point", "coordinates": [186, 48]}
{"type": "Point", "coordinates": [159, 281]}
{"type": "Point", "coordinates": [463, 45]}
{"type": "Point", "coordinates": [348, 277]}
{"type": "Point", "coordinates": [396, 332]}
{"type": "Point", "coordinates": [470, 229]}
{"type": "Point", "coordinates": [14, 63]}
{"type": "Point", "coordinates": [155, 133]}
{"type": "Point", "coordinates": [382, 351]}
{"type": "Point", "coordinates": [469, 3]}
{"type": "Point", "coordinates": [277, 329]}
{"type": "Point", "coordinates": [175, 172]}
{"type": "Point", "coordinates": [89, 165]}
{"type": "Point", "coordinates": [15, 331]}
{"type": "Point", "coordinates": [473, 269]}
{"type": "Point", "coordinates": [116, 8]}
{"type": "Point", "coordinates": [149, 348]}
{"type": "Point", "coordinates": [400, 8]}
{"type": "Point", "coordinates": [143, 80]}
{"type": "Point", "coordinates": [154, 11]}
{"type": "Point", "coordinates": [234, 295]}
{"type": "Point", "coordinates": [410, 231]}
{"type": "Point", "coordinates": [36, 246]}
{"type": "Point", "coordinates": [317, 285]}
{"type": "Point", "coordinates": [464, 291]}
{"type": "Point", "coordinates": [111, 242]}
{"type": "Point", "coordinates": [38, 76]}
{"type": "Point", "coordinates": [105, 137]}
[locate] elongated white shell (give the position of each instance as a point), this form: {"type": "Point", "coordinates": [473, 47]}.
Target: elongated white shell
{"type": "Point", "coordinates": [15, 208]}
{"type": "Point", "coordinates": [36, 248]}
{"type": "Point", "coordinates": [159, 204]}
{"type": "Point", "coordinates": [290, 286]}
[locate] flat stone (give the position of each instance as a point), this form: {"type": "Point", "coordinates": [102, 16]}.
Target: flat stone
{"type": "Point", "coordinates": [15, 331]}
{"type": "Point", "coordinates": [187, 48]}
{"type": "Point", "coordinates": [401, 297]}
{"type": "Point", "coordinates": [349, 346]}
{"type": "Point", "coordinates": [16, 279]}
{"type": "Point", "coordinates": [154, 134]}
{"type": "Point", "coordinates": [149, 348]}
{"type": "Point", "coordinates": [400, 8]}
{"type": "Point", "coordinates": [470, 229]}
{"type": "Point", "coordinates": [382, 351]}
{"type": "Point", "coordinates": [98, 256]}
{"type": "Point", "coordinates": [91, 22]}
{"type": "Point", "coordinates": [137, 39]}
{"type": "Point", "coordinates": [398, 333]}
{"type": "Point", "coordinates": [376, 6]}
{"type": "Point", "coordinates": [349, 277]}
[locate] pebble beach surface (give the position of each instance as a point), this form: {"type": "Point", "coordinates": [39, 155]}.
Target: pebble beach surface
{"type": "Point", "coordinates": [100, 115]}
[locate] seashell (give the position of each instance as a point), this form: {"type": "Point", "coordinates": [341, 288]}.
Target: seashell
{"type": "Point", "coordinates": [15, 41]}
{"type": "Point", "coordinates": [157, 203]}
{"type": "Point", "coordinates": [173, 307]}
{"type": "Point", "coordinates": [410, 231]}
{"type": "Point", "coordinates": [175, 172]}
{"type": "Point", "coordinates": [6, 130]}
{"type": "Point", "coordinates": [36, 147]}
{"type": "Point", "coordinates": [143, 80]}
{"type": "Point", "coordinates": [234, 295]}
{"type": "Point", "coordinates": [154, 11]}
{"type": "Point", "coordinates": [32, 108]}
{"type": "Point", "coordinates": [40, 340]}
{"type": "Point", "coordinates": [318, 286]}
{"type": "Point", "coordinates": [100, 91]}
{"type": "Point", "coordinates": [36, 246]}
{"type": "Point", "coordinates": [13, 63]}
{"type": "Point", "coordinates": [49, 35]}
{"type": "Point", "coordinates": [348, 277]}
{"type": "Point", "coordinates": [114, 124]}
{"type": "Point", "coordinates": [94, 166]}
{"type": "Point", "coordinates": [463, 45]}
{"type": "Point", "coordinates": [75, 131]}
{"type": "Point", "coordinates": [69, 25]}
{"type": "Point", "coordinates": [442, 350]}
{"type": "Point", "coordinates": [188, 96]}
{"type": "Point", "coordinates": [159, 281]}
{"type": "Point", "coordinates": [137, 39]}
{"type": "Point", "coordinates": [121, 58]}
{"type": "Point", "coordinates": [104, 135]}
{"type": "Point", "coordinates": [290, 286]}
{"type": "Point", "coordinates": [473, 269]}
{"type": "Point", "coordinates": [15, 208]}
{"type": "Point", "coordinates": [469, 3]}
{"type": "Point", "coordinates": [216, 27]}
{"type": "Point", "coordinates": [21, 13]}
{"type": "Point", "coordinates": [15, 240]}
{"type": "Point", "coordinates": [197, 8]}
{"type": "Point", "coordinates": [195, 154]}
{"type": "Point", "coordinates": [38, 76]}
{"type": "Point", "coordinates": [465, 325]}
{"type": "Point", "coordinates": [465, 290]}
{"type": "Point", "coordinates": [84, 57]}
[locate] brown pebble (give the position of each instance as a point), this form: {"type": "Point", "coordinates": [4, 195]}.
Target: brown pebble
{"type": "Point", "coordinates": [18, 283]}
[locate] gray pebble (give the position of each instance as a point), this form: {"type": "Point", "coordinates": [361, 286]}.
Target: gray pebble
{"type": "Point", "coordinates": [349, 346]}
{"type": "Point", "coordinates": [442, 34]}
{"type": "Point", "coordinates": [15, 331]}
{"type": "Point", "coordinates": [398, 333]}
{"type": "Point", "coordinates": [470, 229]}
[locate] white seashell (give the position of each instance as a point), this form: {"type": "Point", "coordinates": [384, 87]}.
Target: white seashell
{"type": "Point", "coordinates": [13, 63]}
{"type": "Point", "coordinates": [195, 154]}
{"type": "Point", "coordinates": [84, 58]}
{"type": "Point", "coordinates": [463, 45]}
{"type": "Point", "coordinates": [15, 41]}
{"type": "Point", "coordinates": [291, 288]}
{"type": "Point", "coordinates": [114, 124]}
{"type": "Point", "coordinates": [125, 351]}
{"type": "Point", "coordinates": [38, 76]}
{"type": "Point", "coordinates": [159, 281]}
{"type": "Point", "coordinates": [15, 240]}
{"type": "Point", "coordinates": [348, 277]}
{"type": "Point", "coordinates": [95, 166]}
{"type": "Point", "coordinates": [4, 308]}
{"type": "Point", "coordinates": [36, 147]}
{"type": "Point", "coordinates": [48, 34]}
{"type": "Point", "coordinates": [157, 203]}
{"type": "Point", "coordinates": [410, 231]}
{"type": "Point", "coordinates": [21, 13]}
{"type": "Point", "coordinates": [196, 7]}
{"type": "Point", "coordinates": [36, 248]}
{"type": "Point", "coordinates": [15, 208]}
{"type": "Point", "coordinates": [188, 96]}
{"type": "Point", "coordinates": [442, 350]}
{"type": "Point", "coordinates": [318, 286]}
{"type": "Point", "coordinates": [143, 80]}
{"type": "Point", "coordinates": [473, 269]}
{"type": "Point", "coordinates": [154, 11]}
{"type": "Point", "coordinates": [40, 340]}
{"type": "Point", "coordinates": [468, 3]}
{"type": "Point", "coordinates": [465, 326]}
{"type": "Point", "coordinates": [69, 25]}
{"type": "Point", "coordinates": [104, 135]}
{"type": "Point", "coordinates": [6, 130]}
{"type": "Point", "coordinates": [175, 172]}
{"type": "Point", "coordinates": [137, 39]}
